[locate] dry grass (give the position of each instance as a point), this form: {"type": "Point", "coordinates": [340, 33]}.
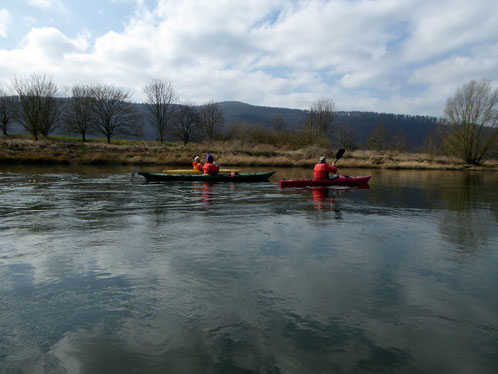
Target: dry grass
{"type": "Point", "coordinates": [70, 150]}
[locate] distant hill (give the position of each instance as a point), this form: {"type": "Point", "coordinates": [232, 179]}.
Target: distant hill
{"type": "Point", "coordinates": [415, 128]}
{"type": "Point", "coordinates": [240, 112]}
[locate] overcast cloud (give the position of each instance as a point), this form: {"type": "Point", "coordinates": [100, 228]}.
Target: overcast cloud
{"type": "Point", "coordinates": [395, 56]}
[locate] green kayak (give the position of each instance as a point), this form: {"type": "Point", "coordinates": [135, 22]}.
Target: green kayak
{"type": "Point", "coordinates": [228, 177]}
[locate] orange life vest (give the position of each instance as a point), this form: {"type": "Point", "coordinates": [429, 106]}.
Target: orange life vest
{"type": "Point", "coordinates": [197, 166]}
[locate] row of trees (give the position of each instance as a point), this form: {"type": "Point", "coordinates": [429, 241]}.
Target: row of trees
{"type": "Point", "coordinates": [317, 128]}
{"type": "Point", "coordinates": [185, 122]}
{"type": "Point", "coordinates": [468, 130]}
{"type": "Point", "coordinates": [39, 106]}
{"type": "Point", "coordinates": [341, 136]}
{"type": "Point", "coordinates": [189, 120]}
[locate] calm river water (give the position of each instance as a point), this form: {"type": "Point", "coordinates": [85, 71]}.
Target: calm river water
{"type": "Point", "coordinates": [100, 275]}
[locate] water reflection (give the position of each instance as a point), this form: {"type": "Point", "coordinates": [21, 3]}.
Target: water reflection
{"type": "Point", "coordinates": [325, 197]}
{"type": "Point", "coordinates": [467, 231]}
{"type": "Point", "coordinates": [208, 191]}
{"type": "Point", "coordinates": [294, 345]}
{"type": "Point", "coordinates": [99, 275]}
{"type": "Point", "coordinates": [468, 222]}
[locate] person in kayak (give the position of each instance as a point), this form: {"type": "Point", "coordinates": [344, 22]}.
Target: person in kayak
{"type": "Point", "coordinates": [322, 170]}
{"type": "Point", "coordinates": [210, 167]}
{"type": "Point", "coordinates": [197, 165]}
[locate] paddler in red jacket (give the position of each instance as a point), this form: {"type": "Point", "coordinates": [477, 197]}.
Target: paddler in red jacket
{"type": "Point", "coordinates": [210, 167]}
{"type": "Point", "coordinates": [322, 169]}
{"type": "Point", "coordinates": [196, 164]}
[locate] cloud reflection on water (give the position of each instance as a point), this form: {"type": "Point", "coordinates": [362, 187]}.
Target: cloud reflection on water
{"type": "Point", "coordinates": [254, 282]}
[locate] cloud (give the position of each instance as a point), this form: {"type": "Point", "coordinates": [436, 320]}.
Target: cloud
{"type": "Point", "coordinates": [43, 50]}
{"type": "Point", "coordinates": [40, 3]}
{"type": "Point", "coordinates": [50, 44]}
{"type": "Point", "coordinates": [29, 21]}
{"type": "Point", "coordinates": [480, 63]}
{"type": "Point", "coordinates": [321, 35]}
{"type": "Point", "coordinates": [463, 24]}
{"type": "Point", "coordinates": [396, 55]}
{"type": "Point", "coordinates": [4, 21]}
{"type": "Point", "coordinates": [47, 4]}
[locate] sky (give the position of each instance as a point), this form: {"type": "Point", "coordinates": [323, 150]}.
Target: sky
{"type": "Point", "coordinates": [390, 56]}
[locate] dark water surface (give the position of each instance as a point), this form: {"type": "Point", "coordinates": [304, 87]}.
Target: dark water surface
{"type": "Point", "coordinates": [100, 275]}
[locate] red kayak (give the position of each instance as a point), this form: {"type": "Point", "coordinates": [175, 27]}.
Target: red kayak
{"type": "Point", "coordinates": [341, 181]}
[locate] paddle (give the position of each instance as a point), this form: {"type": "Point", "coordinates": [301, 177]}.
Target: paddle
{"type": "Point", "coordinates": [339, 155]}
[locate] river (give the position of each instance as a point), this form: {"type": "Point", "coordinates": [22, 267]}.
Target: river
{"type": "Point", "coordinates": [100, 274]}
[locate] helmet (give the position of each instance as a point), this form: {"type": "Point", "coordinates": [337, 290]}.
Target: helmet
{"type": "Point", "coordinates": [323, 159]}
{"type": "Point", "coordinates": [209, 158]}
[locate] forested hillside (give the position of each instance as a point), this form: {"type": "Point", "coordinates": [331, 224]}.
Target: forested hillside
{"type": "Point", "coordinates": [360, 125]}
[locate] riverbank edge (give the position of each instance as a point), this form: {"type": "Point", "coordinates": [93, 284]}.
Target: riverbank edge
{"type": "Point", "coordinates": [60, 151]}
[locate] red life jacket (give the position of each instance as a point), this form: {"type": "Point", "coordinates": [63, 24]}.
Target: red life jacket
{"type": "Point", "coordinates": [210, 169]}
{"type": "Point", "coordinates": [322, 170]}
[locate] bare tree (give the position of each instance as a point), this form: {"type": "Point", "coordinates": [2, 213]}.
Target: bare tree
{"type": "Point", "coordinates": [40, 106]}
{"type": "Point", "coordinates": [113, 114]}
{"type": "Point", "coordinates": [345, 138]}
{"type": "Point", "coordinates": [211, 119]}
{"type": "Point", "coordinates": [321, 117]}
{"type": "Point", "coordinates": [186, 123]}
{"type": "Point", "coordinates": [78, 117]}
{"type": "Point", "coordinates": [160, 97]}
{"type": "Point", "coordinates": [278, 124]}
{"type": "Point", "coordinates": [378, 137]}
{"type": "Point", "coordinates": [472, 118]}
{"type": "Point", "coordinates": [399, 141]}
{"type": "Point", "coordinates": [433, 142]}
{"type": "Point", "coordinates": [7, 110]}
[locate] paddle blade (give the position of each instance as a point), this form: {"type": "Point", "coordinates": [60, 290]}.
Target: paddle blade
{"type": "Point", "coordinates": [340, 153]}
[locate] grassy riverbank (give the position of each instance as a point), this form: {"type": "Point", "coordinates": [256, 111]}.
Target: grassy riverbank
{"type": "Point", "coordinates": [63, 150]}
